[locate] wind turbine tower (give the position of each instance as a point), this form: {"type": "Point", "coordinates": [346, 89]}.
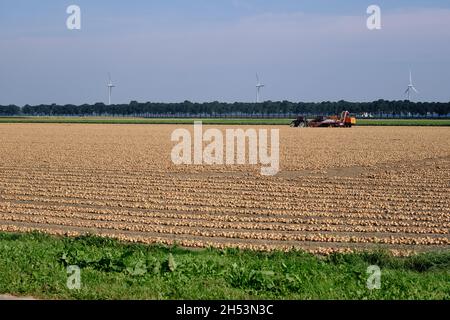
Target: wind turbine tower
{"type": "Point", "coordinates": [110, 86]}
{"type": "Point", "coordinates": [410, 87]}
{"type": "Point", "coordinates": [259, 85]}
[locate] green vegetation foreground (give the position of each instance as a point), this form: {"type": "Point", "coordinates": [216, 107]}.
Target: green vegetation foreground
{"type": "Point", "coordinates": [213, 121]}
{"type": "Point", "coordinates": [36, 264]}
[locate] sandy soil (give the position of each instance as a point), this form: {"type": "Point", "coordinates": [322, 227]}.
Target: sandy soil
{"type": "Point", "coordinates": [338, 189]}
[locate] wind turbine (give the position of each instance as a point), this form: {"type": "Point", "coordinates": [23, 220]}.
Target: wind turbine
{"type": "Point", "coordinates": [410, 87]}
{"type": "Point", "coordinates": [259, 85]}
{"type": "Point", "coordinates": [110, 86]}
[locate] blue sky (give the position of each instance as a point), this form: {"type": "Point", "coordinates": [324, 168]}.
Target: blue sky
{"type": "Point", "coordinates": [203, 50]}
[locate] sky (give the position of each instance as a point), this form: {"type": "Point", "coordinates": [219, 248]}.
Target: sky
{"type": "Point", "coordinates": [211, 50]}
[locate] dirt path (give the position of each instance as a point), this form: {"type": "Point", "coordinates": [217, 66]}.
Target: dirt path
{"type": "Point", "coordinates": [10, 297]}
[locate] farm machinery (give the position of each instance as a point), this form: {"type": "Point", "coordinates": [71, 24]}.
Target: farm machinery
{"type": "Point", "coordinates": [344, 121]}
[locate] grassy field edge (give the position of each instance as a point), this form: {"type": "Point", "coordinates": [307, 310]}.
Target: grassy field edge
{"type": "Point", "coordinates": [35, 264]}
{"type": "Point", "coordinates": [108, 120]}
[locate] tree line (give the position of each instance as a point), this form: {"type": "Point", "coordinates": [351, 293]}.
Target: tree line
{"type": "Point", "coordinates": [379, 107]}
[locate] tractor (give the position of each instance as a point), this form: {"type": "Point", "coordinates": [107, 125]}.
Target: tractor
{"type": "Point", "coordinates": [344, 121]}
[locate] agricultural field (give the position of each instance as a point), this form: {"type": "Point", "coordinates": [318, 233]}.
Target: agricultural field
{"type": "Point", "coordinates": [338, 190]}
{"type": "Point", "coordinates": [213, 121]}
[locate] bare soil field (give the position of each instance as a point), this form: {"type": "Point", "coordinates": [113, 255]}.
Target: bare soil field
{"type": "Point", "coordinates": [337, 190]}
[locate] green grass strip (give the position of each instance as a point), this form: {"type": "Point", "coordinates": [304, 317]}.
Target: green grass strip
{"type": "Point", "coordinates": [36, 264]}
{"type": "Point", "coordinates": [209, 121]}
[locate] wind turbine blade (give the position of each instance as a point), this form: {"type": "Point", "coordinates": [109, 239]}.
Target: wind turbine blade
{"type": "Point", "coordinates": [407, 90]}
{"type": "Point", "coordinates": [415, 89]}
{"type": "Point", "coordinates": [257, 78]}
{"type": "Point", "coordinates": [410, 77]}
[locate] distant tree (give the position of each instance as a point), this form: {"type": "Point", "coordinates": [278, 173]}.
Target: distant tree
{"type": "Point", "coordinates": [216, 107]}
